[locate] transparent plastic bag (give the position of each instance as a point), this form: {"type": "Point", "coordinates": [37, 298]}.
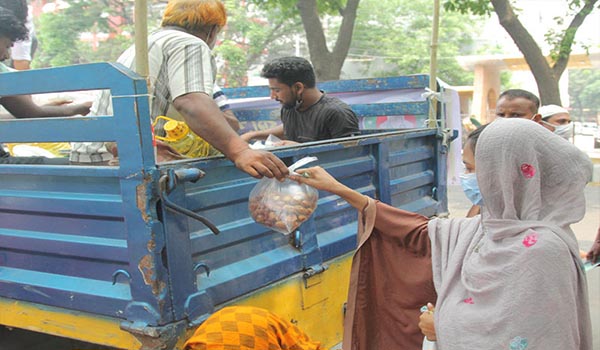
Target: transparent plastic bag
{"type": "Point", "coordinates": [269, 142]}
{"type": "Point", "coordinates": [283, 206]}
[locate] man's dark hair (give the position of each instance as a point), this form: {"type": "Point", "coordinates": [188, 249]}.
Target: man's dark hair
{"type": "Point", "coordinates": [11, 27]}
{"type": "Point", "coordinates": [290, 70]}
{"type": "Point", "coordinates": [511, 94]}
{"type": "Point", "coordinates": [18, 8]}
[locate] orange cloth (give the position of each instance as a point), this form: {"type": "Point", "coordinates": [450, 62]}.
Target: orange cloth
{"type": "Point", "coordinates": [246, 328]}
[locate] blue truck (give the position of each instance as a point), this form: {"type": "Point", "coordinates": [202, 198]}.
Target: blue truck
{"type": "Point", "coordinates": [135, 256]}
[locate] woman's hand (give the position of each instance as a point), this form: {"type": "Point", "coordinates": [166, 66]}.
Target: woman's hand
{"type": "Point", "coordinates": [427, 324]}
{"type": "Point", "coordinates": [594, 254]}
{"type": "Point", "coordinates": [318, 178]}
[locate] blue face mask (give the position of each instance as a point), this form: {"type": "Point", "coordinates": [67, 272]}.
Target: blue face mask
{"type": "Point", "coordinates": [471, 188]}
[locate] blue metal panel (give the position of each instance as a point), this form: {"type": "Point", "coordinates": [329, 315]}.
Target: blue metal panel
{"type": "Point", "coordinates": [350, 85]}
{"type": "Point", "coordinates": [364, 110]}
{"type": "Point", "coordinates": [84, 238]}
{"type": "Point", "coordinates": [382, 103]}
{"type": "Point", "coordinates": [247, 256]}
{"type": "Point", "coordinates": [67, 234]}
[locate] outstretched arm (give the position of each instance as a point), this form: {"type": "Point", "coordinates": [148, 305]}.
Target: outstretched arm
{"type": "Point", "coordinates": [231, 119]}
{"type": "Point", "coordinates": [205, 118]}
{"type": "Point", "coordinates": [320, 179]}
{"type": "Point", "coordinates": [22, 106]}
{"type": "Point", "coordinates": [263, 134]}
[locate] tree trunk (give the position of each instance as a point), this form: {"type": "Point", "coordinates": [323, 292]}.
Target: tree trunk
{"type": "Point", "coordinates": [327, 64]}
{"type": "Point", "coordinates": [546, 76]}
{"type": "Point", "coordinates": [546, 81]}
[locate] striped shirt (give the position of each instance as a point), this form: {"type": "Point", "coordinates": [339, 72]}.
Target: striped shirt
{"type": "Point", "coordinates": [179, 63]}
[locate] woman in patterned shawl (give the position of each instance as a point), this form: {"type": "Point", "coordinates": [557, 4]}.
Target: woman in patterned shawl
{"type": "Point", "coordinates": [510, 278]}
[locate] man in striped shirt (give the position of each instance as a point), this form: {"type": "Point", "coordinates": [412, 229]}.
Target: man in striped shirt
{"type": "Point", "coordinates": [182, 77]}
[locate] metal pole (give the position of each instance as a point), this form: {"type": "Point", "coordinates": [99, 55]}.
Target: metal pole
{"type": "Point", "coordinates": [433, 63]}
{"type": "Point", "coordinates": [141, 38]}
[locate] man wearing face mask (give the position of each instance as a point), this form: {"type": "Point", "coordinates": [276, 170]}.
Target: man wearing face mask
{"type": "Point", "coordinates": [557, 119]}
{"type": "Point", "coordinates": [307, 113]}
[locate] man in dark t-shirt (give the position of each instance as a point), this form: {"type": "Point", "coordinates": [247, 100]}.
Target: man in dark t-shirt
{"type": "Point", "coordinates": [307, 113]}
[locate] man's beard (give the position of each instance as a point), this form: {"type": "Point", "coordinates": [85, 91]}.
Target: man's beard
{"type": "Point", "coordinates": [296, 104]}
{"type": "Point", "coordinates": [289, 105]}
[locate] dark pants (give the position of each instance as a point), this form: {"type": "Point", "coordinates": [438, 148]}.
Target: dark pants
{"type": "Point", "coordinates": [34, 160]}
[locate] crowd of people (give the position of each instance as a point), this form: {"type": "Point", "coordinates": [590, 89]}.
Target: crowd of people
{"type": "Point", "coordinates": [488, 279]}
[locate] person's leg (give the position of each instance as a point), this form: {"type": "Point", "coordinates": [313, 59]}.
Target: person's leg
{"type": "Point", "coordinates": [34, 160]}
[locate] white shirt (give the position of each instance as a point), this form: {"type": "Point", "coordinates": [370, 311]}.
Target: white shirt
{"type": "Point", "coordinates": [179, 63]}
{"type": "Point", "coordinates": [21, 50]}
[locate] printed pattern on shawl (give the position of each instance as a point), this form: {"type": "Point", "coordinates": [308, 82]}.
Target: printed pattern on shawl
{"type": "Point", "coordinates": [515, 281]}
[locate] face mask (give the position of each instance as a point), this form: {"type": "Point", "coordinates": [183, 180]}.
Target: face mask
{"type": "Point", "coordinates": [471, 188]}
{"type": "Point", "coordinates": [564, 131]}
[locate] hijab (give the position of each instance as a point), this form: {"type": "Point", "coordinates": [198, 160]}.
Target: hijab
{"type": "Point", "coordinates": [512, 277]}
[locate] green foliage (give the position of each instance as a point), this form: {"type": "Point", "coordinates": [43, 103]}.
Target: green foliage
{"type": "Point", "coordinates": [59, 32]}
{"type": "Point", "coordinates": [56, 50]}
{"type": "Point", "coordinates": [476, 7]}
{"type": "Point", "coordinates": [288, 7]}
{"type": "Point", "coordinates": [398, 32]}
{"type": "Point", "coordinates": [234, 70]}
{"type": "Point", "coordinates": [107, 51]}
{"type": "Point", "coordinates": [251, 34]}
{"type": "Point", "coordinates": [584, 89]}
{"type": "Point", "coordinates": [395, 32]}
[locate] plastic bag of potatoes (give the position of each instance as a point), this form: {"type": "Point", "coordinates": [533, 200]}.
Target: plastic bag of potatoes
{"type": "Point", "coordinates": [283, 206]}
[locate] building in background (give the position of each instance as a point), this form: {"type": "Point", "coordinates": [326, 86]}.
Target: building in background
{"type": "Point", "coordinates": [538, 17]}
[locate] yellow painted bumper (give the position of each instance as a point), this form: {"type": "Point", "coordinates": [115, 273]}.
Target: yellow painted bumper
{"type": "Point", "coordinates": [314, 304]}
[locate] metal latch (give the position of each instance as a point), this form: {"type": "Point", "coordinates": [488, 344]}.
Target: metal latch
{"type": "Point", "coordinates": [314, 292]}
{"type": "Point", "coordinates": [167, 184]}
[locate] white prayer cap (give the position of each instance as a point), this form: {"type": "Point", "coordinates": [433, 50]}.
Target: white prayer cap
{"type": "Point", "coordinates": [550, 110]}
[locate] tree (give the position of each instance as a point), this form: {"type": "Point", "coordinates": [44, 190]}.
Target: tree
{"type": "Point", "coordinates": [246, 37]}
{"type": "Point", "coordinates": [393, 37]}
{"type": "Point", "coordinates": [327, 63]}
{"type": "Point", "coordinates": [546, 74]}
{"type": "Point", "coordinates": [584, 89]}
{"type": "Point", "coordinates": [59, 32]}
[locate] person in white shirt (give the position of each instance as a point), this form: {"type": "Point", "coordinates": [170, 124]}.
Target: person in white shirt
{"type": "Point", "coordinates": [182, 77]}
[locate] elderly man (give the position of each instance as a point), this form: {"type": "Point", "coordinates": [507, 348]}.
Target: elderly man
{"type": "Point", "coordinates": [182, 78]}
{"type": "Point", "coordinates": [517, 103]}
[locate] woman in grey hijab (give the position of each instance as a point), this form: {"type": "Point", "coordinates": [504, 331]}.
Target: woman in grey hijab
{"type": "Point", "coordinates": [510, 278]}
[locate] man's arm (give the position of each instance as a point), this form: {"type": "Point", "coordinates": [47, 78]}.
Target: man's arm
{"type": "Point", "coordinates": [205, 118]}
{"type": "Point", "coordinates": [223, 104]}
{"type": "Point", "coordinates": [263, 134]}
{"type": "Point", "coordinates": [22, 106]}
{"type": "Point", "coordinates": [231, 119]}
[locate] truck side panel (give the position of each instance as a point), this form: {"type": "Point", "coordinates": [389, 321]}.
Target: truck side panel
{"type": "Point", "coordinates": [123, 247]}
